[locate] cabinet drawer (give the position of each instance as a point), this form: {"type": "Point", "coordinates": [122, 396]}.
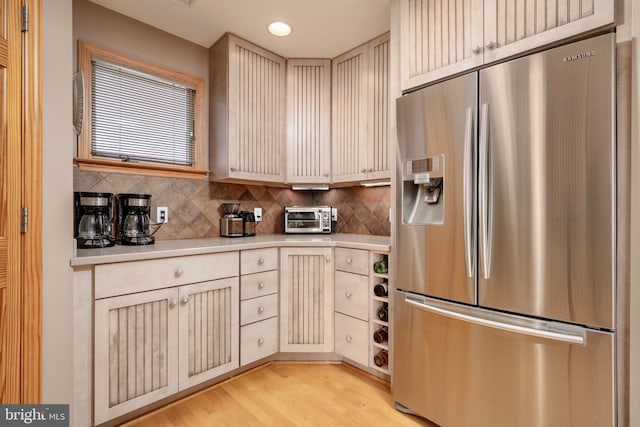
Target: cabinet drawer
{"type": "Point", "coordinates": [352, 260]}
{"type": "Point", "coordinates": [258, 340]}
{"type": "Point", "coordinates": [138, 276]}
{"type": "Point", "coordinates": [257, 260]}
{"type": "Point", "coordinates": [351, 294]}
{"type": "Point", "coordinates": [351, 339]}
{"type": "Point", "coordinates": [258, 284]}
{"type": "Point", "coordinates": [253, 310]}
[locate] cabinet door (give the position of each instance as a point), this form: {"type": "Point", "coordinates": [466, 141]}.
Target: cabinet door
{"type": "Point", "coordinates": [378, 163]}
{"type": "Point", "coordinates": [256, 112]}
{"type": "Point", "coordinates": [135, 350]}
{"type": "Point", "coordinates": [438, 39]}
{"type": "Point", "coordinates": [306, 300]}
{"type": "Point", "coordinates": [308, 120]}
{"type": "Point", "coordinates": [209, 330]}
{"type": "Point", "coordinates": [349, 115]}
{"type": "Point", "coordinates": [514, 26]}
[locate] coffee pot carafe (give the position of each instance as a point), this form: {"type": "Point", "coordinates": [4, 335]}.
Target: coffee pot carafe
{"type": "Point", "coordinates": [133, 219]}
{"type": "Point", "coordinates": [92, 219]}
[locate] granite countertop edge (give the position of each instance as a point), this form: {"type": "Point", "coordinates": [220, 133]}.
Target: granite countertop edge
{"type": "Point", "coordinates": [186, 247]}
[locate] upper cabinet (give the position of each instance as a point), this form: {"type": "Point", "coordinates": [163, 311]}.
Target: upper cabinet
{"type": "Point", "coordinates": [440, 38]}
{"type": "Point", "coordinates": [247, 112]}
{"type": "Point", "coordinates": [308, 121]}
{"type": "Point", "coordinates": [360, 101]}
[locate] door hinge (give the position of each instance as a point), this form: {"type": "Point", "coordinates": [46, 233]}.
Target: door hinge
{"type": "Point", "coordinates": [25, 18]}
{"type": "Point", "coordinates": [24, 222]}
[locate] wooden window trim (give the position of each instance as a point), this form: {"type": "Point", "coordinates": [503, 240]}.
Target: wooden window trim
{"type": "Point", "coordinates": [86, 161]}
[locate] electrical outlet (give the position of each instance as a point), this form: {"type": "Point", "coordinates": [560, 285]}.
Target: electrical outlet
{"type": "Point", "coordinates": [257, 213]}
{"type": "Point", "coordinates": [162, 214]}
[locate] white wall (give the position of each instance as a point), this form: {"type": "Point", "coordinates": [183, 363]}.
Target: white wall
{"type": "Point", "coordinates": [57, 223]}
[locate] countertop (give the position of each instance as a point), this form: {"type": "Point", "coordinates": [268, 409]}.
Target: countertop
{"type": "Point", "coordinates": [172, 248]}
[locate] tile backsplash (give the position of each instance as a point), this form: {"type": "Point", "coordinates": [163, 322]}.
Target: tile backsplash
{"type": "Point", "coordinates": [195, 206]}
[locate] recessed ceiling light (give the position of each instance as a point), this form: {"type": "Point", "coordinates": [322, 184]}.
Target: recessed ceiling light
{"type": "Point", "coordinates": [279, 28]}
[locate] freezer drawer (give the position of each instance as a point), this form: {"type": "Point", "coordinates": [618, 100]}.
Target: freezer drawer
{"type": "Point", "coordinates": [467, 367]}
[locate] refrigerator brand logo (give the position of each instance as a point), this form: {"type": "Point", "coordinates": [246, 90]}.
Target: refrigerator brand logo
{"type": "Point", "coordinates": [579, 56]}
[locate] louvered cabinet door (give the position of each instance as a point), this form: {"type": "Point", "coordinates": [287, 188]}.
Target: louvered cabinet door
{"type": "Point", "coordinates": [308, 121]}
{"type": "Point", "coordinates": [350, 86]}
{"type": "Point", "coordinates": [514, 26]}
{"type": "Point", "coordinates": [306, 300]}
{"type": "Point", "coordinates": [256, 112]}
{"type": "Point", "coordinates": [439, 38]}
{"type": "Point", "coordinates": [136, 353]}
{"type": "Point", "coordinates": [209, 330]}
{"type": "Point", "coordinates": [378, 159]}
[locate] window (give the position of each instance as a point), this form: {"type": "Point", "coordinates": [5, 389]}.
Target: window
{"type": "Point", "coordinates": [139, 117]}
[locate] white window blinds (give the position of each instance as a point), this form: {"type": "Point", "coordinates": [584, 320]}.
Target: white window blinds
{"type": "Point", "coordinates": [140, 117]}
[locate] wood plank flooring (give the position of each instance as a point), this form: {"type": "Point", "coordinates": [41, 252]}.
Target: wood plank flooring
{"type": "Point", "coordinates": [287, 394]}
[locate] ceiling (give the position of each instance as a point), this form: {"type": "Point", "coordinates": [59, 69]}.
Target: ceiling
{"type": "Point", "coordinates": [321, 28]}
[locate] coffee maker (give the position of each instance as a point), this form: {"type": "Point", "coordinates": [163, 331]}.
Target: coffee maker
{"type": "Point", "coordinates": [231, 224]}
{"type": "Point", "coordinates": [133, 219]}
{"type": "Point", "coordinates": [93, 213]}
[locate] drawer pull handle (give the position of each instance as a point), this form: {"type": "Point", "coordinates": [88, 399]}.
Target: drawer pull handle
{"type": "Point", "coordinates": [261, 261]}
{"type": "Point", "coordinates": [349, 260]}
{"type": "Point", "coordinates": [349, 338]}
{"type": "Point", "coordinates": [347, 294]}
{"type": "Point", "coordinates": [260, 341]}
{"type": "Point", "coordinates": [185, 300]}
{"type": "Point", "coordinates": [261, 285]}
{"type": "Point", "coordinates": [179, 272]}
{"type": "Point", "coordinates": [172, 303]}
{"type": "Point", "coordinates": [260, 310]}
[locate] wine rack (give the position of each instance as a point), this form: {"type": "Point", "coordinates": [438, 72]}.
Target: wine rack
{"type": "Point", "coordinates": [379, 262]}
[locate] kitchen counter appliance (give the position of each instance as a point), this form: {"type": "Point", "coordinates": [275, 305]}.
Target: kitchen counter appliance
{"type": "Point", "coordinates": [248, 223]}
{"type": "Point", "coordinates": [505, 243]}
{"type": "Point", "coordinates": [231, 224]}
{"type": "Point", "coordinates": [133, 219]}
{"type": "Point", "coordinates": [93, 214]}
{"type": "Point", "coordinates": [307, 220]}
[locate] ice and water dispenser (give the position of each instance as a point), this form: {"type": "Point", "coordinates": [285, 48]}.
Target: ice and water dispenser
{"type": "Point", "coordinates": [423, 192]}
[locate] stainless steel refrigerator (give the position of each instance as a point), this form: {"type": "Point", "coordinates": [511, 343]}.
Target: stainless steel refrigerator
{"type": "Point", "coordinates": [505, 243]}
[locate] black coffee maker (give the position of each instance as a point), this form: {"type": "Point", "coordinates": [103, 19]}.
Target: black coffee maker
{"type": "Point", "coordinates": [92, 214]}
{"type": "Point", "coordinates": [133, 219]}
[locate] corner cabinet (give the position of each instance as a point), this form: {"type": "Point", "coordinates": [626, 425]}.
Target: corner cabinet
{"type": "Point", "coordinates": [306, 300]}
{"type": "Point", "coordinates": [308, 121]}
{"type": "Point", "coordinates": [246, 112]}
{"type": "Point", "coordinates": [440, 39]}
{"type": "Point", "coordinates": [360, 107]}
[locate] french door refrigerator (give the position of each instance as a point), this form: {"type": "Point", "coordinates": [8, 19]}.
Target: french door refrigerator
{"type": "Point", "coordinates": [505, 243]}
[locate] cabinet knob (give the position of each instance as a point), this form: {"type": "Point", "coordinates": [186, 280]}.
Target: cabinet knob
{"type": "Point", "coordinates": [476, 49]}
{"type": "Point", "coordinates": [490, 44]}
{"type": "Point", "coordinates": [261, 261]}
{"type": "Point", "coordinates": [232, 168]}
{"type": "Point", "coordinates": [347, 294]}
{"type": "Point", "coordinates": [185, 300]}
{"type": "Point", "coordinates": [327, 258]}
{"type": "Point", "coordinates": [260, 310]}
{"type": "Point", "coordinates": [370, 170]}
{"type": "Point", "coordinates": [349, 338]}
{"type": "Point", "coordinates": [260, 341]}
{"type": "Point", "coordinates": [326, 174]}
{"type": "Point", "coordinates": [261, 285]}
{"type": "Point", "coordinates": [349, 260]}
{"type": "Point", "coordinates": [172, 303]}
{"type": "Point", "coordinates": [179, 272]}
{"type": "Point", "coordinates": [363, 170]}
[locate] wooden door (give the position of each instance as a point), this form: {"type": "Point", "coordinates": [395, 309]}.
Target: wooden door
{"type": "Point", "coordinates": [378, 156]}
{"type": "Point", "coordinates": [209, 330]}
{"type": "Point", "coordinates": [438, 39]}
{"type": "Point", "coordinates": [308, 121]}
{"type": "Point", "coordinates": [515, 26]}
{"type": "Point", "coordinates": [350, 87]}
{"type": "Point", "coordinates": [306, 300]}
{"type": "Point", "coordinates": [135, 351]}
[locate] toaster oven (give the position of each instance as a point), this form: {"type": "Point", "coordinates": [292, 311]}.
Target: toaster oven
{"type": "Point", "coordinates": [310, 220]}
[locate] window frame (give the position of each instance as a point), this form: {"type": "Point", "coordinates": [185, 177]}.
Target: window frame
{"type": "Point", "coordinates": [87, 52]}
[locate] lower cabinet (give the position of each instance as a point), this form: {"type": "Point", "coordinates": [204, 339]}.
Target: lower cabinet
{"type": "Point", "coordinates": [306, 300]}
{"type": "Point", "coordinates": [258, 340]}
{"type": "Point", "coordinates": [352, 338]}
{"type": "Point", "coordinates": [152, 344]}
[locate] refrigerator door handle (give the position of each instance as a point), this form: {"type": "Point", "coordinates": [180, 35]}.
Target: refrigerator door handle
{"type": "Point", "coordinates": [468, 191]}
{"type": "Point", "coordinates": [484, 193]}
{"type": "Point", "coordinates": [518, 329]}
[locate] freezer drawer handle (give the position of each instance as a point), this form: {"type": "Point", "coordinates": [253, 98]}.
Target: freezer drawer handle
{"type": "Point", "coordinates": [556, 336]}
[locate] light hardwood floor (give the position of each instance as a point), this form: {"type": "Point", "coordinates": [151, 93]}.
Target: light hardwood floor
{"type": "Point", "coordinates": [288, 394]}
